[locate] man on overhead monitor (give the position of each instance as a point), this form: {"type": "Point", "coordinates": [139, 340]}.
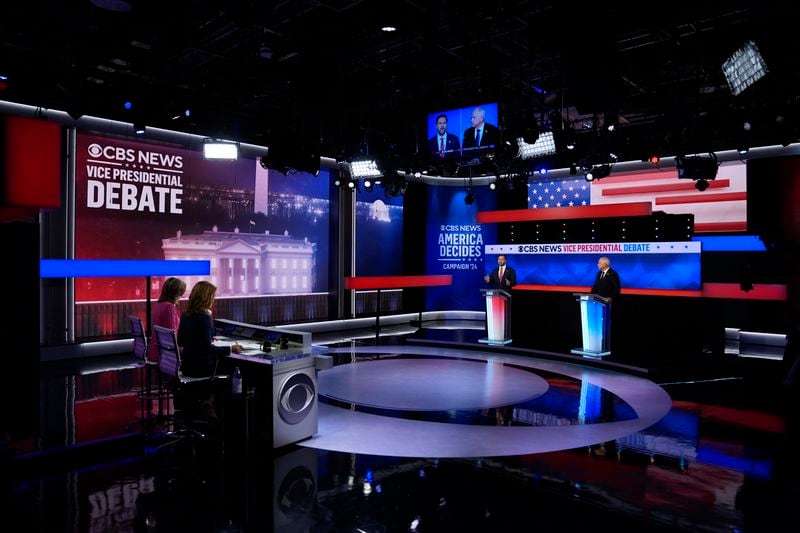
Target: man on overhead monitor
{"type": "Point", "coordinates": [481, 134]}
{"type": "Point", "coordinates": [443, 144]}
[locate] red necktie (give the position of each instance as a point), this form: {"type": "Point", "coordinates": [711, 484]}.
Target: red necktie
{"type": "Point", "coordinates": [441, 146]}
{"type": "Point", "coordinates": [502, 270]}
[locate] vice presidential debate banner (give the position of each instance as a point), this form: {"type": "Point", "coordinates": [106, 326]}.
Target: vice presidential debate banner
{"type": "Point", "coordinates": [455, 246]}
{"type": "Point", "coordinates": [641, 265]}
{"type": "Point", "coordinates": [262, 231]}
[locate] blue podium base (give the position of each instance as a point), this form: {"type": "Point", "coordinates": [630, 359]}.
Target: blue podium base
{"type": "Point", "coordinates": [589, 353]}
{"type": "Point", "coordinates": [493, 342]}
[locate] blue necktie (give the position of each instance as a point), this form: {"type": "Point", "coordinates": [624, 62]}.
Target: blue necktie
{"type": "Point", "coordinates": [477, 137]}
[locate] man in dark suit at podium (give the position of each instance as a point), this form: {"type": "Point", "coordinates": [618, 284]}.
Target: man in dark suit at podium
{"type": "Point", "coordinates": [503, 277]}
{"type": "Point", "coordinates": [606, 284]}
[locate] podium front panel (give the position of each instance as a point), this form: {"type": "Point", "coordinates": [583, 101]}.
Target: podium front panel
{"type": "Point", "coordinates": [592, 325]}
{"type": "Point", "coordinates": [496, 317]}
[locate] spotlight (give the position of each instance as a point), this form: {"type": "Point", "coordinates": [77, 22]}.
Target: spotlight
{"type": "Point", "coordinates": [294, 154]}
{"type": "Point", "coordinates": [337, 182]}
{"type": "Point", "coordinates": [469, 198]}
{"type": "Point", "coordinates": [697, 168]}
{"type": "Point", "coordinates": [224, 150]}
{"type": "Point", "coordinates": [139, 127]}
{"type": "Point", "coordinates": [368, 184]}
{"type": "Point", "coordinates": [701, 185]}
{"type": "Point", "coordinates": [573, 170]}
{"type": "Point", "coordinates": [598, 172]}
{"type": "Point", "coordinates": [492, 186]}
{"type": "Point", "coordinates": [128, 105]}
{"type": "Point", "coordinates": [654, 159]}
{"type": "Point", "coordinates": [351, 184]}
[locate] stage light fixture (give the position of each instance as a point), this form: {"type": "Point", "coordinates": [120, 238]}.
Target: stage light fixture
{"type": "Point", "coordinates": [139, 127]}
{"type": "Point", "coordinates": [365, 168]}
{"type": "Point", "coordinates": [745, 67]}
{"type": "Point", "coordinates": [469, 198]}
{"type": "Point", "coordinates": [701, 185]}
{"type": "Point", "coordinates": [492, 186]}
{"type": "Point", "coordinates": [351, 184]}
{"type": "Point", "coordinates": [598, 172]}
{"type": "Point", "coordinates": [545, 145]}
{"type": "Point", "coordinates": [223, 150]}
{"type": "Point", "coordinates": [654, 159]}
{"type": "Point", "coordinates": [367, 184]}
{"type": "Point", "coordinates": [697, 168]}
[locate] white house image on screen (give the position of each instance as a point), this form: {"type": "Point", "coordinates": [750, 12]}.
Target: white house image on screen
{"type": "Point", "coordinates": [378, 210]}
{"type": "Point", "coordinates": [247, 263]}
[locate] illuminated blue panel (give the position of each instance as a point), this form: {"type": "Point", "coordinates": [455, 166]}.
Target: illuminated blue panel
{"type": "Point", "coordinates": [732, 243]}
{"type": "Point", "coordinates": [757, 466]}
{"type": "Point", "coordinates": [117, 268]}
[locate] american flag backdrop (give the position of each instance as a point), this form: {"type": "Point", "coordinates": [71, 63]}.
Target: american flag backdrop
{"type": "Point", "coordinates": [720, 208]}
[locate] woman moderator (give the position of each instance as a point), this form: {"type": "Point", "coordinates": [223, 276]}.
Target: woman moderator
{"type": "Point", "coordinates": [165, 311]}
{"type": "Point", "coordinates": [196, 333]}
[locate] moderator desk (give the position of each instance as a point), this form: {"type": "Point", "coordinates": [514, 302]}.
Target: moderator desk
{"type": "Point", "coordinates": [279, 387]}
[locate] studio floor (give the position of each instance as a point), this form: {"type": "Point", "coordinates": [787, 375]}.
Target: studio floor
{"type": "Point", "coordinates": [428, 432]}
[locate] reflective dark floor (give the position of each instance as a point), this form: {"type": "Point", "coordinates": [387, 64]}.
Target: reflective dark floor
{"type": "Point", "coordinates": [725, 458]}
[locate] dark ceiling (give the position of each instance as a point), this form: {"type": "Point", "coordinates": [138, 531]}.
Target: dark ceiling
{"type": "Point", "coordinates": [258, 71]}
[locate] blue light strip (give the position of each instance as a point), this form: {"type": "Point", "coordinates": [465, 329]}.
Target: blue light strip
{"type": "Point", "coordinates": [732, 243]}
{"type": "Point", "coordinates": [101, 268]}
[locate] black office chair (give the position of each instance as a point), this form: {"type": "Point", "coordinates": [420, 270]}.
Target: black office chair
{"type": "Point", "coordinates": [145, 393]}
{"type": "Point", "coordinates": [183, 395]}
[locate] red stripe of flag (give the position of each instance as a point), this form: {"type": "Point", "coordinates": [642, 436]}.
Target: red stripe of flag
{"type": "Point", "coordinates": [702, 198]}
{"type": "Point", "coordinates": [666, 187]}
{"type": "Point", "coordinates": [707, 227]}
{"type": "Point", "coordinates": [630, 209]}
{"type": "Point", "coordinates": [646, 176]}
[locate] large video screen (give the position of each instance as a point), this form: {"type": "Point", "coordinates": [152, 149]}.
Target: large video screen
{"type": "Point", "coordinates": [720, 208]}
{"type": "Point", "coordinates": [463, 134]}
{"type": "Point", "coordinates": [263, 232]}
{"type": "Point", "coordinates": [455, 245]}
{"type": "Point", "coordinates": [640, 265]}
{"type": "Point", "coordinates": [379, 233]}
